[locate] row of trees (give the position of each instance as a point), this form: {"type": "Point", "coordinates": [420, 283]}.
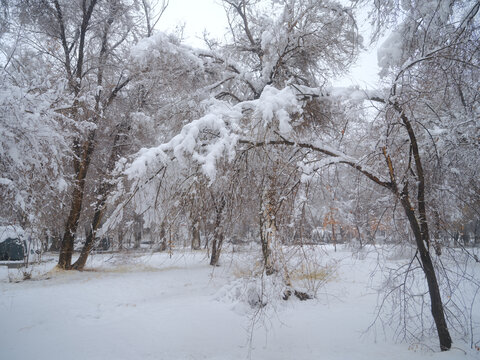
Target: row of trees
{"type": "Point", "coordinates": [255, 141]}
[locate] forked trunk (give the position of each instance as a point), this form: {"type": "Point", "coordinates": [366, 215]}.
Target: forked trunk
{"type": "Point", "coordinates": [90, 241]}
{"type": "Point", "coordinates": [81, 163]}
{"type": "Point", "coordinates": [102, 196]}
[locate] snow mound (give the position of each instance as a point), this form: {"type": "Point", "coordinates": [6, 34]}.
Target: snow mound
{"type": "Point", "coordinates": [253, 293]}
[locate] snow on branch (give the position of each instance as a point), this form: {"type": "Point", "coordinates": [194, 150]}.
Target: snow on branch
{"type": "Point", "coordinates": [266, 121]}
{"type": "Point", "coordinates": [161, 47]}
{"type": "Point", "coordinates": [204, 140]}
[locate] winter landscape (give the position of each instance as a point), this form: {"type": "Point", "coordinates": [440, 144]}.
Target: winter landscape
{"type": "Point", "coordinates": [154, 306]}
{"type": "Point", "coordinates": [264, 191]}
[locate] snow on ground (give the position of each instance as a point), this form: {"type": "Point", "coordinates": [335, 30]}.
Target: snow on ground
{"type": "Point", "coordinates": [157, 307]}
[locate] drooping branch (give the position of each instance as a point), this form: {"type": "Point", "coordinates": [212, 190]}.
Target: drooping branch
{"type": "Point", "coordinates": [342, 159]}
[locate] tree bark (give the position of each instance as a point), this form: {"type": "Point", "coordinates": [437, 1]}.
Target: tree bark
{"type": "Point", "coordinates": [137, 231]}
{"type": "Point", "coordinates": [334, 237]}
{"type": "Point", "coordinates": [81, 164]}
{"type": "Point", "coordinates": [120, 240]}
{"type": "Point", "coordinates": [84, 151]}
{"type": "Point", "coordinates": [266, 251]}
{"type": "Point", "coordinates": [56, 241]}
{"type": "Point", "coordinates": [429, 271]}
{"type": "Point", "coordinates": [195, 233]}
{"type": "Point", "coordinates": [102, 195]}
{"type": "Point", "coordinates": [268, 226]}
{"type": "Point", "coordinates": [89, 242]}
{"type": "Point", "coordinates": [419, 227]}
{"type": "Point", "coordinates": [422, 236]}
{"type": "Point", "coordinates": [218, 234]}
{"type": "Point", "coordinates": [163, 237]}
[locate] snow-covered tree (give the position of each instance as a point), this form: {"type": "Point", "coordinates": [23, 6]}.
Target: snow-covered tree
{"type": "Point", "coordinates": [429, 63]}
{"type": "Point", "coordinates": [34, 139]}
{"type": "Point", "coordinates": [84, 45]}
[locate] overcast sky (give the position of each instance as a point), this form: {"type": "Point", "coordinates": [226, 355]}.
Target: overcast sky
{"type": "Point", "coordinates": [197, 16]}
{"type": "Point", "coordinates": [209, 15]}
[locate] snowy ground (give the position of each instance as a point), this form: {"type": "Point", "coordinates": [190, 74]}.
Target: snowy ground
{"type": "Point", "coordinates": [157, 307]}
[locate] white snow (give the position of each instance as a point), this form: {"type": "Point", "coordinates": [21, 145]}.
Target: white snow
{"type": "Point", "coordinates": [160, 46]}
{"type": "Point", "coordinates": [10, 231]}
{"type": "Point", "coordinates": [278, 103]}
{"type": "Point", "coordinates": [273, 106]}
{"type": "Point", "coordinates": [5, 181]}
{"type": "Point", "coordinates": [156, 307]}
{"type": "Point", "coordinates": [389, 54]}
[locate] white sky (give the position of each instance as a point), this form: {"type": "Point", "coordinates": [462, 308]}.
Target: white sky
{"type": "Point", "coordinates": [209, 15]}
{"type": "Point", "coordinates": [197, 15]}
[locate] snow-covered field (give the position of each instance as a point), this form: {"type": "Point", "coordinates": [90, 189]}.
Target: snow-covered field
{"type": "Point", "coordinates": [151, 306]}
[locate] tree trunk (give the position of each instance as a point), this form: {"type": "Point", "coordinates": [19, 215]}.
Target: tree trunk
{"type": "Point", "coordinates": [359, 234]}
{"type": "Point", "coordinates": [56, 241]}
{"type": "Point", "coordinates": [268, 228]}
{"type": "Point", "coordinates": [90, 241]}
{"type": "Point", "coordinates": [266, 251]}
{"type": "Point", "coordinates": [420, 230]}
{"type": "Point", "coordinates": [161, 243]}
{"type": "Point", "coordinates": [81, 163]}
{"type": "Point", "coordinates": [137, 230]}
{"type": "Point", "coordinates": [120, 240]}
{"type": "Point", "coordinates": [102, 196]}
{"type": "Point", "coordinates": [464, 236]}
{"type": "Point", "coordinates": [334, 238]}
{"type": "Point", "coordinates": [195, 233]}
{"type": "Point", "coordinates": [429, 271]}
{"type": "Point", "coordinates": [218, 234]}
{"type": "Point", "coordinates": [83, 152]}
{"type": "Point", "coordinates": [216, 246]}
